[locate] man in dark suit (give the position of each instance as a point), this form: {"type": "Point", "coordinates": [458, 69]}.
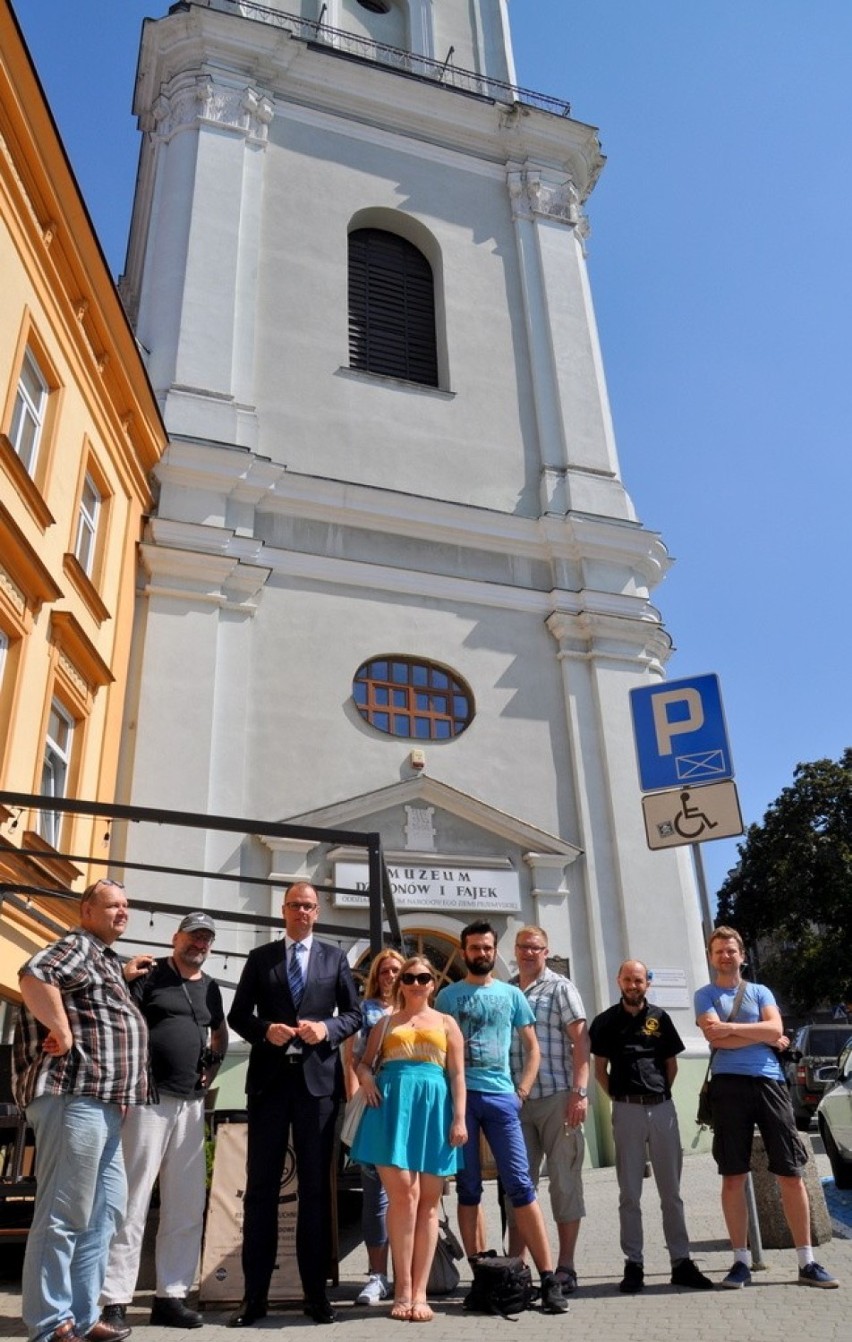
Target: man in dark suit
{"type": "Point", "coordinates": [295, 1004]}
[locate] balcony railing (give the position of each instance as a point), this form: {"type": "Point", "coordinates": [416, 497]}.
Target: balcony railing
{"type": "Point", "coordinates": [442, 73]}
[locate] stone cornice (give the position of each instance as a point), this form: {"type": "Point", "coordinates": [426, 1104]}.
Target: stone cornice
{"type": "Point", "coordinates": [205, 578]}
{"type": "Point", "coordinates": [275, 64]}
{"type": "Point", "coordinates": [576, 538]}
{"type": "Point", "coordinates": [212, 563]}
{"type": "Point", "coordinates": [598, 635]}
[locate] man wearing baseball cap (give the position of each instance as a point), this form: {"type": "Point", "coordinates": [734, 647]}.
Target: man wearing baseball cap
{"type": "Point", "coordinates": [188, 1040]}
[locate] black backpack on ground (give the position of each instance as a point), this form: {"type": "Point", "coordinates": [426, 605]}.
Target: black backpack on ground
{"type": "Point", "coordinates": [500, 1286]}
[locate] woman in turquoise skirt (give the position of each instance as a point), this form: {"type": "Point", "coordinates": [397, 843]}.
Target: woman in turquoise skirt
{"type": "Point", "coordinates": [413, 1128]}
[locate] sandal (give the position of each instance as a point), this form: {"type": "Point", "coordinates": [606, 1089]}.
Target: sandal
{"type": "Point", "coordinates": [401, 1309]}
{"type": "Point", "coordinates": [421, 1312]}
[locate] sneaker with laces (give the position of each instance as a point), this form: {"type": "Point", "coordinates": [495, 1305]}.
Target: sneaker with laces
{"type": "Point", "coordinates": [686, 1273]}
{"type": "Point", "coordinates": [739, 1276]}
{"type": "Point", "coordinates": [376, 1288]}
{"type": "Point", "coordinates": [812, 1274]}
{"type": "Point", "coordinates": [552, 1299]}
{"type": "Point", "coordinates": [567, 1278]}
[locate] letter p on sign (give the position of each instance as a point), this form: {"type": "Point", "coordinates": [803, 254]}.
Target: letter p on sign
{"type": "Point", "coordinates": [668, 725]}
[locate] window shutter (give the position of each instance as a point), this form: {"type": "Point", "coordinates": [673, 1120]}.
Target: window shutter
{"type": "Point", "coordinates": [391, 308]}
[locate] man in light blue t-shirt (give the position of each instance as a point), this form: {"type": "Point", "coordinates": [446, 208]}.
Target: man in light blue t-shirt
{"type": "Point", "coordinates": [742, 1024]}
{"type": "Point", "coordinates": [488, 1012]}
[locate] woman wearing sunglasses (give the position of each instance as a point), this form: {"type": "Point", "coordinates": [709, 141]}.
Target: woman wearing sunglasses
{"type": "Point", "coordinates": [413, 1128]}
{"type": "Point", "coordinates": [379, 1000]}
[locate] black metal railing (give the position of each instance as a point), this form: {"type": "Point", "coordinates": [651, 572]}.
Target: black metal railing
{"type": "Point", "coordinates": [442, 73]}
{"type": "Point", "coordinates": [381, 905]}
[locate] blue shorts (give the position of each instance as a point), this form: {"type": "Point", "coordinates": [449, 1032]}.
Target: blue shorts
{"type": "Point", "coordinates": [499, 1117]}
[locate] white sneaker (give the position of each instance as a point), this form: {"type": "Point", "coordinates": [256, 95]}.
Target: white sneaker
{"type": "Point", "coordinates": [376, 1288]}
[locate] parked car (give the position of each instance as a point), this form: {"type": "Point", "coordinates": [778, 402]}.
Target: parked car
{"type": "Point", "coordinates": [834, 1117]}
{"type": "Point", "coordinates": [812, 1067]}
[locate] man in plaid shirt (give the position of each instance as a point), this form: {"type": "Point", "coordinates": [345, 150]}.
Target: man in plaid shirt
{"type": "Point", "coordinates": [555, 1107]}
{"type": "Point", "coordinates": [80, 1057]}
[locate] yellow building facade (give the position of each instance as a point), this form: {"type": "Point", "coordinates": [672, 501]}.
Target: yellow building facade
{"type": "Point", "coordinates": [80, 432]}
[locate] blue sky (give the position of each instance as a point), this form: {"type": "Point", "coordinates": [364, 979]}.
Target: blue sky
{"type": "Point", "coordinates": [720, 269]}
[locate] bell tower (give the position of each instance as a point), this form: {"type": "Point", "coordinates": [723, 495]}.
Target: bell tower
{"type": "Point", "coordinates": [357, 265]}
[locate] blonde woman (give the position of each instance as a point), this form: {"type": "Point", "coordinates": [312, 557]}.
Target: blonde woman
{"type": "Point", "coordinates": [378, 1002]}
{"type": "Point", "coordinates": [414, 1127]}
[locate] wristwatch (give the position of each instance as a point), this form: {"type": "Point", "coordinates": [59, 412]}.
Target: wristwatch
{"type": "Point", "coordinates": [581, 1091]}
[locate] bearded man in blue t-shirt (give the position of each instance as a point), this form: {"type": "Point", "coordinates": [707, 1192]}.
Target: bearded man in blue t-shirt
{"type": "Point", "coordinates": [742, 1024]}
{"type": "Point", "coordinates": [488, 1012]}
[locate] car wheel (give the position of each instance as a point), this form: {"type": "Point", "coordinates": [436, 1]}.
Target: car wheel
{"type": "Point", "coordinates": [840, 1168]}
{"type": "Point", "coordinates": [803, 1121]}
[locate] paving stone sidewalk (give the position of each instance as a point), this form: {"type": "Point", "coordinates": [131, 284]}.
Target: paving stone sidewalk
{"type": "Point", "coordinates": [774, 1307]}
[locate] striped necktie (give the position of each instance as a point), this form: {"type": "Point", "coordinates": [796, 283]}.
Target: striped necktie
{"type": "Point", "coordinates": [295, 973]}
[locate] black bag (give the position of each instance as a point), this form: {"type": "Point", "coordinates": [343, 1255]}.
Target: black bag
{"type": "Point", "coordinates": [500, 1286]}
{"type": "Point", "coordinates": [704, 1117]}
{"type": "Point", "coordinates": [444, 1276]}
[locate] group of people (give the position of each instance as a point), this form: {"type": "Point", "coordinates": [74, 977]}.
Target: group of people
{"type": "Point", "coordinates": [113, 1059]}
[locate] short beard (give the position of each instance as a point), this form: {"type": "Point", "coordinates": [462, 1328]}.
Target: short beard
{"type": "Point", "coordinates": [480, 965]}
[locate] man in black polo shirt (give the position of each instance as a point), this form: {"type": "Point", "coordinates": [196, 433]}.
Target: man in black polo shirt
{"type": "Point", "coordinates": [635, 1047]}
{"type": "Point", "coordinates": [188, 1037]}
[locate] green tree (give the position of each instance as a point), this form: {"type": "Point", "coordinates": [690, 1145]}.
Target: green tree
{"type": "Point", "coordinates": [790, 894]}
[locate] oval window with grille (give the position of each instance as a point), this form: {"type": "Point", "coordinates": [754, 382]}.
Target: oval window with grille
{"type": "Point", "coordinates": [419, 701]}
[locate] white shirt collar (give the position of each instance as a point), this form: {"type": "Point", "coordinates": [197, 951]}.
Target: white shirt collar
{"type": "Point", "coordinates": [306, 942]}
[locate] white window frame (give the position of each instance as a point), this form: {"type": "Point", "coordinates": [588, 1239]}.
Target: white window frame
{"type": "Point", "coordinates": [88, 520]}
{"type": "Point", "coordinates": [56, 767]}
{"type": "Point", "coordinates": [29, 414]}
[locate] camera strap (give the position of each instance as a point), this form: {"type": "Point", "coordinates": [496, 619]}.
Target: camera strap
{"type": "Point", "coordinates": [202, 1029]}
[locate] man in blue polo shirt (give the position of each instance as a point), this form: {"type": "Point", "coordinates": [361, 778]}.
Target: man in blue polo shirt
{"type": "Point", "coordinates": [488, 1012]}
{"type": "Point", "coordinates": [747, 1087]}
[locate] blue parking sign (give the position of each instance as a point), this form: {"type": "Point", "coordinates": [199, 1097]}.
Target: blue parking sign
{"type": "Point", "coordinates": [681, 738]}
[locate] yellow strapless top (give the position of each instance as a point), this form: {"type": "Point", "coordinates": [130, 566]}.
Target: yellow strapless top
{"type": "Point", "coordinates": [406, 1043]}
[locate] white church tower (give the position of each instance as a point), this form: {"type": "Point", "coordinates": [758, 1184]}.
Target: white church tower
{"type": "Point", "coordinates": [394, 581]}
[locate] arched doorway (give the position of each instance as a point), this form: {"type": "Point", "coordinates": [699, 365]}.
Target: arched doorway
{"type": "Point", "coordinates": [442, 951]}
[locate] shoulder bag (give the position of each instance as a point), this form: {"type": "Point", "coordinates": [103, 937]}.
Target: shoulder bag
{"type": "Point", "coordinates": [444, 1276]}
{"type": "Point", "coordinates": [357, 1103]}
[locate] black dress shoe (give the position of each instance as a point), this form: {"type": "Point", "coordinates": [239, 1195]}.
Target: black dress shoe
{"type": "Point", "coordinates": [320, 1310]}
{"type": "Point", "coordinates": [248, 1313]}
{"type": "Point", "coordinates": [115, 1315]}
{"type": "Point", "coordinates": [170, 1311]}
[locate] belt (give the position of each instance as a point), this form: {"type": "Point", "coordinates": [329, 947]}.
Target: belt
{"type": "Point", "coordinates": [639, 1099]}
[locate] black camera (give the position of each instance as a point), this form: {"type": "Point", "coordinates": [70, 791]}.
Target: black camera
{"type": "Point", "coordinates": [209, 1058]}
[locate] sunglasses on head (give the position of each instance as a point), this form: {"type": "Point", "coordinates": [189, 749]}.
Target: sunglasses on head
{"type": "Point", "coordinates": [409, 979]}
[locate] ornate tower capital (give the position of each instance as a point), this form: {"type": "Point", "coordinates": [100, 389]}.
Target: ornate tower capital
{"type": "Point", "coordinates": [205, 100]}
{"type": "Point", "coordinates": [534, 192]}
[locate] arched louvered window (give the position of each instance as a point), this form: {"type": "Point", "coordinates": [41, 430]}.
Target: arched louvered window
{"type": "Point", "coordinates": [391, 308]}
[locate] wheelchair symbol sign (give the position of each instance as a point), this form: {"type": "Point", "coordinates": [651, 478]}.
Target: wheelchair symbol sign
{"type": "Point", "coordinates": [692, 815]}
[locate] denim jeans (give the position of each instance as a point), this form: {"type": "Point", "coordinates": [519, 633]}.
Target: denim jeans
{"type": "Point", "coordinates": [80, 1198]}
{"type": "Point", "coordinates": [374, 1208]}
{"type": "Point", "coordinates": [498, 1116]}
